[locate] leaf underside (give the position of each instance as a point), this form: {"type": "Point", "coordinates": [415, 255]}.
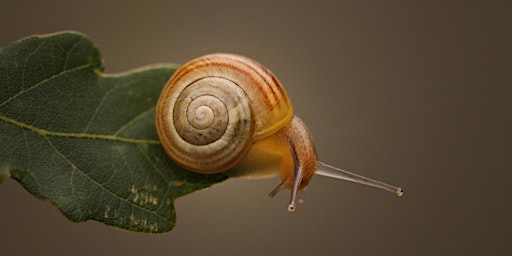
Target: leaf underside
{"type": "Point", "coordinates": [84, 140]}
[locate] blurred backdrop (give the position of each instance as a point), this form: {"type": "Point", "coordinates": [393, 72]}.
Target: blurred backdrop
{"type": "Point", "coordinates": [414, 93]}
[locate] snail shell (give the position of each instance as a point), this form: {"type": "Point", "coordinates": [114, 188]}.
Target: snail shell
{"type": "Point", "coordinates": [215, 107]}
{"type": "Point", "coordinates": [224, 111]}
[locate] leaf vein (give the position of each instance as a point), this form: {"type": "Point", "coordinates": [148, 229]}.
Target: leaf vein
{"type": "Point", "coordinates": [64, 72]}
{"type": "Point", "coordinates": [133, 120]}
{"type": "Point", "coordinates": [97, 110]}
{"type": "Point", "coordinates": [155, 168]}
{"type": "Point", "coordinates": [25, 65]}
{"type": "Point", "coordinates": [113, 194]}
{"type": "Point", "coordinates": [72, 184]}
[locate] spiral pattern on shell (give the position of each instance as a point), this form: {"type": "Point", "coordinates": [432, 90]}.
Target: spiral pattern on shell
{"type": "Point", "coordinates": [213, 109]}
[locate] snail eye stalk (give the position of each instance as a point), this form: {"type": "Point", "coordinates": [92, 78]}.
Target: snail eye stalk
{"type": "Point", "coordinates": [324, 169]}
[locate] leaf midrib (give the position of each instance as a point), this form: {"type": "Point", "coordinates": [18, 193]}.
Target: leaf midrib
{"type": "Point", "coordinates": [46, 133]}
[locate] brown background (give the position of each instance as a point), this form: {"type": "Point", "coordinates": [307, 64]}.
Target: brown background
{"type": "Point", "coordinates": [415, 93]}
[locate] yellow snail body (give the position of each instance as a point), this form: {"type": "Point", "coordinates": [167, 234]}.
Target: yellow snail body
{"type": "Point", "coordinates": [225, 112]}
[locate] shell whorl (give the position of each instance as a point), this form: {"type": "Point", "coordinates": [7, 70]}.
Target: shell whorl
{"type": "Point", "coordinates": [213, 109]}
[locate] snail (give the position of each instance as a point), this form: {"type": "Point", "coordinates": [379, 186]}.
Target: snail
{"type": "Point", "coordinates": [225, 112]}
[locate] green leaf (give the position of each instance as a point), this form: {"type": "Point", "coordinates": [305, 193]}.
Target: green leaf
{"type": "Point", "coordinates": [84, 140]}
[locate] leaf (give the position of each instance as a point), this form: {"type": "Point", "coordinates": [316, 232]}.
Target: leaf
{"type": "Point", "coordinates": [84, 140]}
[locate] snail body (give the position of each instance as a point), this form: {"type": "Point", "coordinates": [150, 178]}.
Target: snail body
{"type": "Point", "coordinates": [225, 112]}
